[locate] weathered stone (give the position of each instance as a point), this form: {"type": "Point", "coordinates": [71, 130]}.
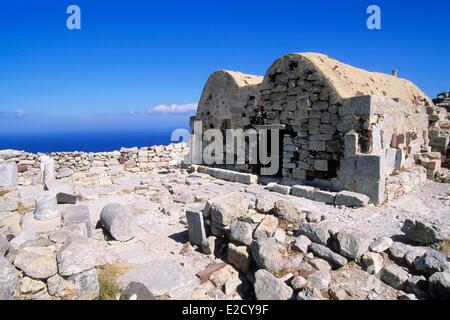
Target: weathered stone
{"type": "Point", "coordinates": [65, 198]}
{"type": "Point", "coordinates": [278, 188]}
{"type": "Point", "coordinates": [351, 199]}
{"type": "Point", "coordinates": [264, 204]}
{"type": "Point", "coordinates": [239, 257]}
{"type": "Point", "coordinates": [78, 214]}
{"type": "Point", "coordinates": [4, 245]}
{"type": "Point", "coordinates": [288, 210]}
{"type": "Point", "coordinates": [352, 245]}
{"type": "Point", "coordinates": [395, 276]}
{"type": "Point", "coordinates": [319, 280]}
{"type": "Point", "coordinates": [323, 196]}
{"type": "Point", "coordinates": [320, 264]}
{"type": "Point", "coordinates": [196, 226]}
{"type": "Point", "coordinates": [280, 235]}
{"type": "Point", "coordinates": [266, 228]}
{"type": "Point", "coordinates": [226, 208]}
{"type": "Point", "coordinates": [57, 286]}
{"type": "Point", "coordinates": [325, 253]}
{"type": "Point", "coordinates": [84, 285]}
{"type": "Point", "coordinates": [241, 232]}
{"type": "Point", "coordinates": [439, 285]}
{"type": "Point", "coordinates": [8, 175]}
{"type": "Point", "coordinates": [267, 287]}
{"type": "Point", "coordinates": [301, 244]}
{"type": "Point", "coordinates": [309, 293]}
{"type": "Point", "coordinates": [36, 266]}
{"type": "Point", "coordinates": [48, 168]}
{"type": "Point", "coordinates": [76, 257]}
{"type": "Point", "coordinates": [118, 222]}
{"type": "Point", "coordinates": [413, 254]}
{"type": "Point", "coordinates": [372, 262]}
{"type": "Point", "coordinates": [267, 255]}
{"type": "Point", "coordinates": [64, 172]}
{"type": "Point", "coordinates": [432, 261]}
{"type": "Point", "coordinates": [30, 286]}
{"type": "Point", "coordinates": [381, 244]}
{"type": "Point", "coordinates": [302, 191]}
{"type": "Point", "coordinates": [136, 291]}
{"type": "Point", "coordinates": [298, 283]}
{"type": "Point", "coordinates": [8, 278]}
{"type": "Point", "coordinates": [424, 233]}
{"type": "Point", "coordinates": [316, 233]}
{"type": "Point", "coordinates": [398, 251]}
{"type": "Point", "coordinates": [46, 207]}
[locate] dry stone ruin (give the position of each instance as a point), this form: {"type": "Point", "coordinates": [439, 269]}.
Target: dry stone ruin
{"type": "Point", "coordinates": [341, 128]}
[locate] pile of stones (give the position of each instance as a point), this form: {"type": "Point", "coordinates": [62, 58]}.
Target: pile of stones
{"type": "Point", "coordinates": [443, 100]}
{"type": "Point", "coordinates": [285, 252]}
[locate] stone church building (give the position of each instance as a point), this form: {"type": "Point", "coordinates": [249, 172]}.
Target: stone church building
{"type": "Point", "coordinates": [342, 127]}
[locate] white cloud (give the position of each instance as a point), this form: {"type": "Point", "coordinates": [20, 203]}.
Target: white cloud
{"type": "Point", "coordinates": [20, 113]}
{"type": "Point", "coordinates": [175, 108]}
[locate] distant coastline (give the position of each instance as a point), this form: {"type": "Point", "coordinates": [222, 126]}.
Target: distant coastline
{"type": "Point", "coordinates": [87, 141]}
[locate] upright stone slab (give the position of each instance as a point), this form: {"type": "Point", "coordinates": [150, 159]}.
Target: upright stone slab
{"type": "Point", "coordinates": [370, 177]}
{"type": "Point", "coordinates": [48, 168]}
{"type": "Point", "coordinates": [46, 206]}
{"type": "Point", "coordinates": [196, 226]}
{"type": "Point", "coordinates": [8, 174]}
{"type": "Point", "coordinates": [78, 214]}
{"type": "Point", "coordinates": [116, 220]}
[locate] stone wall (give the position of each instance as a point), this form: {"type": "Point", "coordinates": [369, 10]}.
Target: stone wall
{"type": "Point", "coordinates": [67, 163]}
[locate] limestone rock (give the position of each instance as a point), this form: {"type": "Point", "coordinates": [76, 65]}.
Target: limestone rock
{"type": "Point", "coordinates": [8, 175]}
{"type": "Point", "coordinates": [316, 233]}
{"type": "Point", "coordinates": [395, 276]}
{"type": "Point", "coordinates": [373, 262]}
{"type": "Point", "coordinates": [439, 285]}
{"type": "Point", "coordinates": [196, 226]}
{"type": "Point", "coordinates": [76, 257]}
{"type": "Point", "coordinates": [30, 286]}
{"type": "Point", "coordinates": [226, 208]}
{"type": "Point", "coordinates": [84, 285]}
{"type": "Point", "coordinates": [267, 287]}
{"type": "Point", "coordinates": [4, 245]}
{"type": "Point", "coordinates": [267, 227]}
{"type": "Point", "coordinates": [57, 286]}
{"type": "Point", "coordinates": [424, 233]}
{"type": "Point", "coordinates": [301, 244]}
{"type": "Point", "coordinates": [288, 210]}
{"type": "Point", "coordinates": [46, 207]}
{"type": "Point", "coordinates": [325, 253]}
{"type": "Point", "coordinates": [239, 257]}
{"type": "Point", "coordinates": [8, 278]}
{"type": "Point", "coordinates": [241, 232]}
{"type": "Point", "coordinates": [432, 261]}
{"type": "Point", "coordinates": [352, 245]}
{"type": "Point", "coordinates": [36, 266]}
{"type": "Point", "coordinates": [351, 199]}
{"type": "Point", "coordinates": [65, 198]}
{"type": "Point", "coordinates": [298, 283]}
{"type": "Point", "coordinates": [266, 253]}
{"type": "Point", "coordinates": [78, 214]}
{"type": "Point", "coordinates": [309, 293]}
{"type": "Point", "coordinates": [319, 280]}
{"type": "Point", "coordinates": [381, 244]}
{"type": "Point", "coordinates": [118, 222]}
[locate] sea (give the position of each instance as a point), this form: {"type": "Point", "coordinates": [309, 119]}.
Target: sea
{"type": "Point", "coordinates": [87, 141]}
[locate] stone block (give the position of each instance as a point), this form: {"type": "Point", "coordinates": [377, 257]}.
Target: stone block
{"type": "Point", "coordinates": [302, 191]}
{"type": "Point", "coordinates": [351, 199]}
{"type": "Point", "coordinates": [8, 174]}
{"type": "Point", "coordinates": [196, 227]}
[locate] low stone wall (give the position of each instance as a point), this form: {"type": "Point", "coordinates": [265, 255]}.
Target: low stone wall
{"type": "Point", "coordinates": [67, 163]}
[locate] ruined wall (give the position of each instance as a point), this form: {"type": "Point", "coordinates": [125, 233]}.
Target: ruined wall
{"type": "Point", "coordinates": [67, 163]}
{"type": "Point", "coordinates": [318, 101]}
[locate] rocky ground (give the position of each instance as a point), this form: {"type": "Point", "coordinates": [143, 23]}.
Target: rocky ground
{"type": "Point", "coordinates": [243, 241]}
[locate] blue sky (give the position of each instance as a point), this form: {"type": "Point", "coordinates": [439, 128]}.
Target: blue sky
{"type": "Point", "coordinates": [131, 56]}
